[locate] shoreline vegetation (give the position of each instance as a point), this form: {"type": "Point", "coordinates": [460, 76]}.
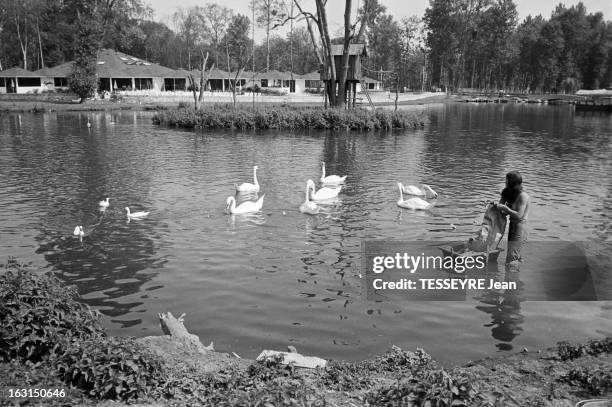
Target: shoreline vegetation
{"type": "Point", "coordinates": [287, 117]}
{"type": "Point", "coordinates": [50, 340]}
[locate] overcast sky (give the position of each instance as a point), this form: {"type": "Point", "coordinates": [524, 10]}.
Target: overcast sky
{"type": "Point", "coordinates": [398, 8]}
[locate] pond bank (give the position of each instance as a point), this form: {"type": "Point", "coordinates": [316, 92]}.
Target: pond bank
{"type": "Point", "coordinates": [51, 340]}
{"type": "Point", "coordinates": [40, 104]}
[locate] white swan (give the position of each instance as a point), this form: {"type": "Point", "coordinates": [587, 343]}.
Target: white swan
{"type": "Point", "coordinates": [248, 187]}
{"type": "Point", "coordinates": [324, 193]}
{"type": "Point", "coordinates": [425, 190]}
{"type": "Point", "coordinates": [308, 206]}
{"type": "Point", "coordinates": [330, 179]}
{"type": "Point", "coordinates": [135, 215]}
{"type": "Point", "coordinates": [88, 123]}
{"type": "Point", "coordinates": [412, 203]}
{"type": "Point", "coordinates": [78, 231]}
{"type": "Point", "coordinates": [245, 207]}
{"type": "Point", "coordinates": [104, 203]}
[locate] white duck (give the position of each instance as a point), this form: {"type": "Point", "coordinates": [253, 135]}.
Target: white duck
{"type": "Point", "coordinates": [425, 190]}
{"type": "Point", "coordinates": [248, 187]}
{"type": "Point", "coordinates": [330, 179]}
{"type": "Point", "coordinates": [324, 193]}
{"type": "Point", "coordinates": [78, 231]}
{"type": "Point", "coordinates": [136, 215]}
{"type": "Point", "coordinates": [308, 206]}
{"type": "Point", "coordinates": [412, 203]}
{"type": "Point", "coordinates": [245, 207]}
{"type": "Point", "coordinates": [104, 203]}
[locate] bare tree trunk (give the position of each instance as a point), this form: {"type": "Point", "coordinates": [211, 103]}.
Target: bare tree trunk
{"type": "Point", "coordinates": [267, 39]}
{"type": "Point", "coordinates": [202, 82]}
{"type": "Point", "coordinates": [175, 328]}
{"type": "Point", "coordinates": [42, 59]}
{"type": "Point", "coordinates": [345, 54]}
{"type": "Point", "coordinates": [22, 43]}
{"type": "Point", "coordinates": [192, 82]}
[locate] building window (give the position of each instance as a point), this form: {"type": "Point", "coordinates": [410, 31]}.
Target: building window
{"type": "Point", "coordinates": [264, 83]}
{"type": "Point", "coordinates": [143, 83]}
{"type": "Point", "coordinates": [2, 83]}
{"type": "Point", "coordinates": [60, 82]}
{"type": "Point", "coordinates": [28, 82]}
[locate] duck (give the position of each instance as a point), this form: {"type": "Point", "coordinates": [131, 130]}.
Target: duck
{"type": "Point", "coordinates": [78, 231]}
{"type": "Point", "coordinates": [324, 193]}
{"type": "Point", "coordinates": [308, 206]}
{"type": "Point", "coordinates": [330, 179]}
{"type": "Point", "coordinates": [248, 187]}
{"type": "Point", "coordinates": [104, 203]}
{"type": "Point", "coordinates": [245, 207]}
{"type": "Point", "coordinates": [412, 203]}
{"type": "Point", "coordinates": [136, 215]}
{"type": "Point", "coordinates": [425, 190]}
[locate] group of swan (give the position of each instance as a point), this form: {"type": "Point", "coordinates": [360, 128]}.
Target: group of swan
{"type": "Point", "coordinates": [247, 206]}
{"type": "Point", "coordinates": [330, 190]}
{"type": "Point", "coordinates": [78, 231]}
{"type": "Point", "coordinates": [416, 202]}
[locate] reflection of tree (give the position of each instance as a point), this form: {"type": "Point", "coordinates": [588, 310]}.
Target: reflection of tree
{"type": "Point", "coordinates": [505, 309]}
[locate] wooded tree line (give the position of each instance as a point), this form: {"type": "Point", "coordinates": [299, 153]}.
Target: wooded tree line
{"type": "Point", "coordinates": [457, 43]}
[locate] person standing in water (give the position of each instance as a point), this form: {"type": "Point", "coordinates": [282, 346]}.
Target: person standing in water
{"type": "Point", "coordinates": [514, 202]}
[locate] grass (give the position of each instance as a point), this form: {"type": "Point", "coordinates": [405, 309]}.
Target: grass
{"type": "Point", "coordinates": [287, 117]}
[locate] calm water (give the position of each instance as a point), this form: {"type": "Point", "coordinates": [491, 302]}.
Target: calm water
{"type": "Point", "coordinates": [281, 277]}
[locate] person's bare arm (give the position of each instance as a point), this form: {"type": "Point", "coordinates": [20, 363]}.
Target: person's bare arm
{"type": "Point", "coordinates": [521, 204]}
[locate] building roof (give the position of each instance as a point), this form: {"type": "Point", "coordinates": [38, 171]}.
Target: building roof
{"type": "Point", "coordinates": [60, 71]}
{"type": "Point", "coordinates": [595, 92]}
{"type": "Point", "coordinates": [311, 76]}
{"type": "Point", "coordinates": [16, 72]}
{"type": "Point", "coordinates": [354, 49]}
{"type": "Point", "coordinates": [116, 65]}
{"type": "Point", "coordinates": [367, 79]}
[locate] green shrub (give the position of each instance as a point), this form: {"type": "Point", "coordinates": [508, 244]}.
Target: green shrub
{"type": "Point", "coordinates": [286, 117]}
{"type": "Point", "coordinates": [568, 351]}
{"type": "Point", "coordinates": [596, 381]}
{"type": "Point", "coordinates": [39, 317]}
{"type": "Point", "coordinates": [110, 368]}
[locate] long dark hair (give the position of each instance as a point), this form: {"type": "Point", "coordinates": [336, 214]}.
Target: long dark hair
{"type": "Point", "coordinates": [514, 187]}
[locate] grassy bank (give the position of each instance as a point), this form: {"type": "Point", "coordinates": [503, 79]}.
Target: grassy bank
{"type": "Point", "coordinates": [51, 341]}
{"type": "Point", "coordinates": [286, 117]}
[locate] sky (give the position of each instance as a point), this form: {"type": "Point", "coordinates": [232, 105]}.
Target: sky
{"type": "Point", "coordinates": [398, 8]}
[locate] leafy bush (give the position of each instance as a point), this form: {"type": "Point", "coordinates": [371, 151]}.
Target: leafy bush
{"type": "Point", "coordinates": [40, 317]}
{"type": "Point", "coordinates": [110, 368]}
{"type": "Point", "coordinates": [568, 351]}
{"type": "Point", "coordinates": [596, 382]}
{"type": "Point", "coordinates": [286, 117]}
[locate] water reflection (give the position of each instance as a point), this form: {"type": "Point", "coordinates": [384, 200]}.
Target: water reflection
{"type": "Point", "coordinates": [504, 307]}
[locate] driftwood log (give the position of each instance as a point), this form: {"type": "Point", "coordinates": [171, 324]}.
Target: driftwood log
{"type": "Point", "coordinates": [175, 327]}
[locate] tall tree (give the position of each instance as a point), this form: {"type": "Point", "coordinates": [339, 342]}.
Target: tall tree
{"type": "Point", "coordinates": [216, 19]}
{"type": "Point", "coordinates": [270, 14]}
{"type": "Point", "coordinates": [237, 49]}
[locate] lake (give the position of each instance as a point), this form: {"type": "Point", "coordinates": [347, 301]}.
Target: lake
{"type": "Point", "coordinates": [284, 278]}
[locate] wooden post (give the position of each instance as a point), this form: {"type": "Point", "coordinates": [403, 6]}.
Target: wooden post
{"type": "Point", "coordinates": [354, 93]}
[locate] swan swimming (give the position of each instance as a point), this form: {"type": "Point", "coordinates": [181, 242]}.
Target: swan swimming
{"type": "Point", "coordinates": [308, 206]}
{"type": "Point", "coordinates": [104, 203]}
{"type": "Point", "coordinates": [245, 207]}
{"type": "Point", "coordinates": [78, 231]}
{"type": "Point", "coordinates": [88, 123]}
{"type": "Point", "coordinates": [425, 190]}
{"type": "Point", "coordinates": [412, 203]}
{"type": "Point", "coordinates": [330, 179]}
{"type": "Point", "coordinates": [324, 193]}
{"type": "Point", "coordinates": [248, 187]}
{"type": "Point", "coordinates": [135, 215]}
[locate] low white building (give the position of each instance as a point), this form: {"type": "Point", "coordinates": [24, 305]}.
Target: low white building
{"type": "Point", "coordinates": [18, 80]}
